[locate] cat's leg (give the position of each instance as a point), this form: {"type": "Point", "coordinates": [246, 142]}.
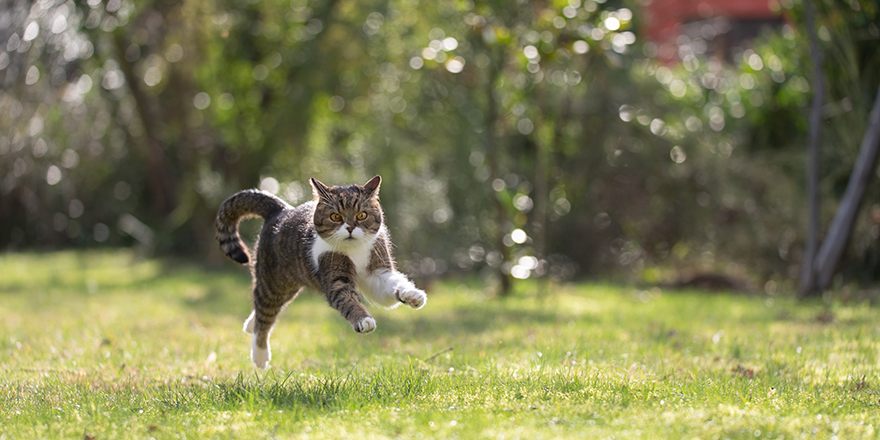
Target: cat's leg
{"type": "Point", "coordinates": [390, 288]}
{"type": "Point", "coordinates": [338, 275]}
{"type": "Point", "coordinates": [408, 293]}
{"type": "Point", "coordinates": [267, 306]}
{"type": "Point", "coordinates": [386, 286]}
{"type": "Point", "coordinates": [261, 353]}
{"type": "Point", "coordinates": [249, 323]}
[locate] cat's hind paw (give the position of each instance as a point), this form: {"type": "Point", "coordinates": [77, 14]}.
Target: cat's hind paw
{"type": "Point", "coordinates": [365, 325]}
{"type": "Point", "coordinates": [261, 356]}
{"type": "Point", "coordinates": [415, 298]}
{"type": "Point", "coordinates": [249, 324]}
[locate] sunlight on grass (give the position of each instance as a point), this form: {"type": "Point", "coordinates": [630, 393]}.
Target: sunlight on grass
{"type": "Point", "coordinates": [103, 344]}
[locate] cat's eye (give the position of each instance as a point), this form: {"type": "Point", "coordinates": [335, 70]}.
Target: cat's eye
{"type": "Point", "coordinates": [336, 217]}
{"type": "Point", "coordinates": [362, 215]}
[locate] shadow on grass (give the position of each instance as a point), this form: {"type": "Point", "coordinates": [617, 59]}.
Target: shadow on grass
{"type": "Point", "coordinates": [396, 386]}
{"type": "Point", "coordinates": [98, 273]}
{"type": "Point", "coordinates": [463, 321]}
{"type": "Point", "coordinates": [342, 390]}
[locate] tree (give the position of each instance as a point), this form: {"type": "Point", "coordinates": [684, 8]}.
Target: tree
{"type": "Point", "coordinates": [516, 139]}
{"type": "Point", "coordinates": [808, 273]}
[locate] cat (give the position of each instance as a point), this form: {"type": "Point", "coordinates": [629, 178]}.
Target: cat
{"type": "Point", "coordinates": [335, 244]}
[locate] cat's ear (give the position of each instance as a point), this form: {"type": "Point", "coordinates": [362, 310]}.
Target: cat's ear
{"type": "Point", "coordinates": [372, 186]}
{"type": "Point", "coordinates": [320, 190]}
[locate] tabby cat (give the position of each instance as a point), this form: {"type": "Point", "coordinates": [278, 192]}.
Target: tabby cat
{"type": "Point", "coordinates": [336, 244]}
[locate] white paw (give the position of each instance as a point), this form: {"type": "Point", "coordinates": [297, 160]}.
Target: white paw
{"type": "Point", "coordinates": [249, 324]}
{"type": "Point", "coordinates": [366, 325]}
{"type": "Point", "coordinates": [414, 298]}
{"type": "Point", "coordinates": [261, 356]}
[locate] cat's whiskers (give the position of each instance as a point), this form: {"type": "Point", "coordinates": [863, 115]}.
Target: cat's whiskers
{"type": "Point", "coordinates": [342, 240]}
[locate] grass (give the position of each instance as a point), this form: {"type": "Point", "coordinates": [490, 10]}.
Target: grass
{"type": "Point", "coordinates": [103, 345]}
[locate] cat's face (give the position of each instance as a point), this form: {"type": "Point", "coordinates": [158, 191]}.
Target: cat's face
{"type": "Point", "coordinates": [348, 214]}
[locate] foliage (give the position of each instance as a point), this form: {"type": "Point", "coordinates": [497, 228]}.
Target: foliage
{"type": "Point", "coordinates": [521, 139]}
{"type": "Point", "coordinates": [742, 128]}
{"type": "Point", "coordinates": [103, 344]}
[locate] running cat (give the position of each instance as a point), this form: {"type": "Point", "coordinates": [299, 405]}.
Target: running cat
{"type": "Point", "coordinates": [336, 244]}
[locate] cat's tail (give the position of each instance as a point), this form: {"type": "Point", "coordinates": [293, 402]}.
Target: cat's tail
{"type": "Point", "coordinates": [242, 205]}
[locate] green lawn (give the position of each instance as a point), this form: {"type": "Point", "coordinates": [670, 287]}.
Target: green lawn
{"type": "Point", "coordinates": [102, 345]}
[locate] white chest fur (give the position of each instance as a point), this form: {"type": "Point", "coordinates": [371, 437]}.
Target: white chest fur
{"type": "Point", "coordinates": [357, 250]}
{"type": "Point", "coordinates": [379, 287]}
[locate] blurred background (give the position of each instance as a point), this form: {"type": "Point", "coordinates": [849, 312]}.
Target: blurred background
{"type": "Point", "coordinates": [641, 141]}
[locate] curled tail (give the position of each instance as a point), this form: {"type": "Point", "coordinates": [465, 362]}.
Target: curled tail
{"type": "Point", "coordinates": [243, 204]}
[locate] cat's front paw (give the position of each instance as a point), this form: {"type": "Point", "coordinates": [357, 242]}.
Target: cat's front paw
{"type": "Point", "coordinates": [365, 325]}
{"type": "Point", "coordinates": [414, 298]}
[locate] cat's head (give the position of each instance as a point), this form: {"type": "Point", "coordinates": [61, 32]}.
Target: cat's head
{"type": "Point", "coordinates": [347, 214]}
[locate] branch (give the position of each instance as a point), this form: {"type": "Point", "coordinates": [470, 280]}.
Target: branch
{"type": "Point", "coordinates": [431, 357]}
{"type": "Point", "coordinates": [841, 227]}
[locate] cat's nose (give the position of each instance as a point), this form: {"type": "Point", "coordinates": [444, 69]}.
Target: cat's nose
{"type": "Point", "coordinates": [350, 229]}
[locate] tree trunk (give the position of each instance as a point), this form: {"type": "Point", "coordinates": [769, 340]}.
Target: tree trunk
{"type": "Point", "coordinates": [841, 227]}
{"type": "Point", "coordinates": [162, 187]}
{"type": "Point", "coordinates": [808, 272]}
{"type": "Point", "coordinates": [492, 157]}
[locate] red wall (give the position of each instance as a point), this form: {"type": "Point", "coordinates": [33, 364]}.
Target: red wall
{"type": "Point", "coordinates": [662, 17]}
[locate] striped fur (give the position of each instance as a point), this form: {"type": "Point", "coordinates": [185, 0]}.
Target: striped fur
{"type": "Point", "coordinates": [242, 205]}
{"type": "Point", "coordinates": [333, 244]}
